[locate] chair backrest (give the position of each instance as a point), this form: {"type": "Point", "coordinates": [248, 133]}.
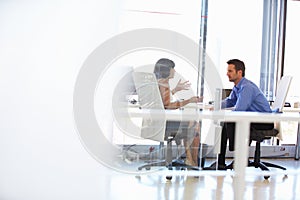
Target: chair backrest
{"type": "Point", "coordinates": [281, 93]}
{"type": "Point", "coordinates": [149, 98]}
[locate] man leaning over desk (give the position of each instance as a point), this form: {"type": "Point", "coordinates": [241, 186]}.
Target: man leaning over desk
{"type": "Point", "coordinates": [245, 96]}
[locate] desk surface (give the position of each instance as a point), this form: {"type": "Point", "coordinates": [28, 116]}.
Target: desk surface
{"type": "Point", "coordinates": [242, 119]}
{"type": "Point", "coordinates": [201, 105]}
{"type": "Point", "coordinates": [194, 114]}
{"type": "Point", "coordinates": [291, 109]}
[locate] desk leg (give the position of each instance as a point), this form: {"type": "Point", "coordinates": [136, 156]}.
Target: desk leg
{"type": "Point", "coordinates": [297, 148]}
{"type": "Point", "coordinates": [240, 157]}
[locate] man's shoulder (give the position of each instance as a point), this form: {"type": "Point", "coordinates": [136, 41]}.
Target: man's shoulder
{"type": "Point", "coordinates": [246, 82]}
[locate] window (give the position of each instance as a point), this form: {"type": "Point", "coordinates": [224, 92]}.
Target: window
{"type": "Point", "coordinates": [291, 65]}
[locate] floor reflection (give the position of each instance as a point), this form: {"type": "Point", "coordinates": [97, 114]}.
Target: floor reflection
{"type": "Point", "coordinates": [207, 185]}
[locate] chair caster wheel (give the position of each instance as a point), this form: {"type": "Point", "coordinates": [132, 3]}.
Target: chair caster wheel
{"type": "Point", "coordinates": [169, 177]}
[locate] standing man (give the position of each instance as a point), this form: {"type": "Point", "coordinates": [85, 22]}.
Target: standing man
{"type": "Point", "coordinates": [245, 96]}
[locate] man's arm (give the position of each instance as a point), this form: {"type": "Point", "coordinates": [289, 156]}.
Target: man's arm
{"type": "Point", "coordinates": [230, 101]}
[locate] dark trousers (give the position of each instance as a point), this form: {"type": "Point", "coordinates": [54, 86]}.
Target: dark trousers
{"type": "Point", "coordinates": [228, 133]}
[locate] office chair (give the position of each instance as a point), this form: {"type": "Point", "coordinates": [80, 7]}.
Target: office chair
{"type": "Point", "coordinates": [261, 135]}
{"type": "Point", "coordinates": [155, 129]}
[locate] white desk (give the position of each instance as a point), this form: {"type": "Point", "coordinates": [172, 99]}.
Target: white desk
{"type": "Point", "coordinates": [242, 119]}
{"type": "Point", "coordinates": [297, 149]}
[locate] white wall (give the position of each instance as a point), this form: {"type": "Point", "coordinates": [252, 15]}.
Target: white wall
{"type": "Point", "coordinates": [42, 47]}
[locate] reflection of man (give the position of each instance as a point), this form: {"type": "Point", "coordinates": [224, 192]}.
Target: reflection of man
{"type": "Point", "coordinates": [245, 96]}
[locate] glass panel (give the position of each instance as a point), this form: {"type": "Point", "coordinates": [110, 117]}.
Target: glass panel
{"type": "Point", "coordinates": [291, 61]}
{"type": "Point", "coordinates": [235, 31]}
{"type": "Point", "coordinates": [291, 64]}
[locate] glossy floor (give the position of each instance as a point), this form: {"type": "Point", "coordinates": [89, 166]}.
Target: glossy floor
{"type": "Point", "coordinates": [208, 185]}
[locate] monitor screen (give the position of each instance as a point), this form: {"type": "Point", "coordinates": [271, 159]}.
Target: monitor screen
{"type": "Point", "coordinates": [226, 93]}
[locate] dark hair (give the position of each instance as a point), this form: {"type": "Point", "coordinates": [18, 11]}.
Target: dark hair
{"type": "Point", "coordinates": [239, 65]}
{"type": "Point", "coordinates": [163, 67]}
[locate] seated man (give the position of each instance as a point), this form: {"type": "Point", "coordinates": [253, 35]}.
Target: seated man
{"type": "Point", "coordinates": [245, 96]}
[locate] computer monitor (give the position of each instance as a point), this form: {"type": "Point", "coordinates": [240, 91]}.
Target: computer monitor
{"type": "Point", "coordinates": [226, 93]}
{"type": "Point", "coordinates": [125, 86]}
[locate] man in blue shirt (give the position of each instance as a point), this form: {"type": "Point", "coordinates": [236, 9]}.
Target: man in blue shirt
{"type": "Point", "coordinates": [245, 96]}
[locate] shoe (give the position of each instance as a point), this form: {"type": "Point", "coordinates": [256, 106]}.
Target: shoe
{"type": "Point", "coordinates": [189, 162]}
{"type": "Point", "coordinates": [214, 167]}
{"type": "Point", "coordinates": [230, 166]}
